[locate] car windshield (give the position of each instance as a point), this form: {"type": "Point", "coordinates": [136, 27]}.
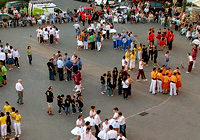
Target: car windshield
{"type": "Point", "coordinates": [154, 4]}
{"type": "Point", "coordinates": [87, 10]}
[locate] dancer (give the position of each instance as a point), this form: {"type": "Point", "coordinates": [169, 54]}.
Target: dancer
{"type": "Point", "coordinates": [78, 130]}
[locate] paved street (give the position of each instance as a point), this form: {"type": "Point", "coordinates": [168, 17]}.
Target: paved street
{"type": "Point", "coordinates": [174, 118]}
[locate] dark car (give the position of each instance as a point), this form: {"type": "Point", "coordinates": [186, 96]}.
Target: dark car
{"type": "Point", "coordinates": [15, 4]}
{"type": "Point", "coordinates": [156, 5]}
{"type": "Point", "coordinates": [6, 17]}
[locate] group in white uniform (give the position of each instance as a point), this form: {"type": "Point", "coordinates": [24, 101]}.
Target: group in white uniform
{"type": "Point", "coordinates": [108, 130]}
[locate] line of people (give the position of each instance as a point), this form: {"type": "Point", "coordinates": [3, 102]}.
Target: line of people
{"type": "Point", "coordinates": [10, 119]}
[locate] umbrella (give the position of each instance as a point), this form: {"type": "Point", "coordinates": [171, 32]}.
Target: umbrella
{"type": "Point", "coordinates": [196, 41]}
{"type": "Point", "coordinates": [112, 31]}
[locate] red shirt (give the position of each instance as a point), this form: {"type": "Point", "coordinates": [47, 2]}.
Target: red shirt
{"type": "Point", "coordinates": [77, 78]}
{"type": "Point", "coordinates": [172, 37]}
{"type": "Point", "coordinates": [89, 17]}
{"type": "Point", "coordinates": [83, 17]}
{"type": "Point", "coordinates": [151, 37]}
{"type": "Point", "coordinates": [162, 43]}
{"type": "Point", "coordinates": [168, 33]}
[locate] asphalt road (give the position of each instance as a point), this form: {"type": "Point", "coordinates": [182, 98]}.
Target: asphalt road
{"type": "Point", "coordinates": [175, 118]}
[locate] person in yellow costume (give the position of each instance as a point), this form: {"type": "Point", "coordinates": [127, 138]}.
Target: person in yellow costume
{"type": "Point", "coordinates": [7, 107]}
{"type": "Point", "coordinates": [3, 125]}
{"type": "Point", "coordinates": [17, 124]}
{"type": "Point", "coordinates": [132, 60]}
{"type": "Point", "coordinates": [13, 118]}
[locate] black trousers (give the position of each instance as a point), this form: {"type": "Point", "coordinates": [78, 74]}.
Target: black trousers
{"type": "Point", "coordinates": [114, 82]}
{"type": "Point", "coordinates": [60, 71]}
{"type": "Point", "coordinates": [92, 45]}
{"type": "Point", "coordinates": [170, 45]}
{"type": "Point", "coordinates": [16, 60]}
{"type": "Point", "coordinates": [151, 54]}
{"type": "Point", "coordinates": [8, 129]}
{"type": "Point", "coordinates": [107, 34]}
{"type": "Point", "coordinates": [97, 131]}
{"type": "Point", "coordinates": [125, 92]}
{"type": "Point", "coordinates": [51, 39]}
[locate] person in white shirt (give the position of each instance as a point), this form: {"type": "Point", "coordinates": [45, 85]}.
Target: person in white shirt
{"type": "Point", "coordinates": [107, 30]}
{"type": "Point", "coordinates": [57, 36]}
{"type": "Point", "coordinates": [97, 121]}
{"type": "Point", "coordinates": [121, 120]}
{"type": "Point", "coordinates": [190, 63]}
{"type": "Point", "coordinates": [76, 26]}
{"type": "Point", "coordinates": [38, 33]}
{"type": "Point", "coordinates": [121, 137]}
{"type": "Point", "coordinates": [87, 135]}
{"type": "Point", "coordinates": [43, 18]}
{"type": "Point", "coordinates": [51, 35]}
{"type": "Point", "coordinates": [112, 134]}
{"type": "Point", "coordinates": [60, 68]}
{"type": "Point", "coordinates": [141, 70]}
{"type": "Point", "coordinates": [2, 57]}
{"type": "Point", "coordinates": [16, 57]}
{"type": "Point", "coordinates": [20, 91]}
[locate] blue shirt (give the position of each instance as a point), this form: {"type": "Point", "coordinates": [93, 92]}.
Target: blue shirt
{"type": "Point", "coordinates": [79, 64]}
{"type": "Point", "coordinates": [68, 64]}
{"type": "Point", "coordinates": [85, 38]}
{"type": "Point", "coordinates": [98, 38]}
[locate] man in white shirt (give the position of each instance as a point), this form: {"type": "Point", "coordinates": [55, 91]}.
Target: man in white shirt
{"type": "Point", "coordinates": [20, 91]}
{"type": "Point", "coordinates": [190, 63]}
{"type": "Point", "coordinates": [76, 26]}
{"type": "Point", "coordinates": [107, 30]}
{"type": "Point", "coordinates": [2, 57]}
{"type": "Point", "coordinates": [43, 18]}
{"type": "Point", "coordinates": [121, 120]}
{"type": "Point", "coordinates": [60, 68]}
{"type": "Point", "coordinates": [141, 70]}
{"type": "Point", "coordinates": [97, 121]}
{"type": "Point", "coordinates": [112, 134]}
{"type": "Point", "coordinates": [16, 57]}
{"type": "Point", "coordinates": [87, 135]}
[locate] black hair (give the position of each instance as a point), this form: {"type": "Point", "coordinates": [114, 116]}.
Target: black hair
{"type": "Point", "coordinates": [98, 111]}
{"type": "Point", "coordinates": [87, 123]}
{"type": "Point", "coordinates": [110, 127]}
{"type": "Point", "coordinates": [116, 108]}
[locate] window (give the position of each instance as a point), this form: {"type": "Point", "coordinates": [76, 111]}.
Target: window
{"type": "Point", "coordinates": [57, 10]}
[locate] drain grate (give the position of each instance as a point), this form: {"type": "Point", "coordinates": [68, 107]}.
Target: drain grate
{"type": "Point", "coordinates": [143, 113]}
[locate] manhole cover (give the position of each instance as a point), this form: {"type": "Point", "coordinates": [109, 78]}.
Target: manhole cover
{"type": "Point", "coordinates": [143, 113]}
{"type": "Point", "coordinates": [135, 35]}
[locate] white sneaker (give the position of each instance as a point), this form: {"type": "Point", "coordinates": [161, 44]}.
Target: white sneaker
{"type": "Point", "coordinates": [112, 95]}
{"type": "Point", "coordinates": [18, 67]}
{"type": "Point", "coordinates": [187, 72]}
{"type": "Point", "coordinates": [102, 92]}
{"type": "Point", "coordinates": [66, 80]}
{"type": "Point", "coordinates": [137, 80]}
{"type": "Point", "coordinates": [145, 80]}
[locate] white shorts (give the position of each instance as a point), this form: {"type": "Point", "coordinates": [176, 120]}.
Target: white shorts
{"type": "Point", "coordinates": [49, 105]}
{"type": "Point", "coordinates": [78, 87]}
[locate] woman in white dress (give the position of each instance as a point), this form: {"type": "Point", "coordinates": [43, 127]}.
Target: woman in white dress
{"type": "Point", "coordinates": [104, 129]}
{"type": "Point", "coordinates": [78, 130]}
{"type": "Point", "coordinates": [45, 36]}
{"type": "Point", "coordinates": [91, 117]}
{"type": "Point", "coordinates": [57, 35]}
{"type": "Point", "coordinates": [113, 121]}
{"type": "Point", "coordinates": [38, 33]}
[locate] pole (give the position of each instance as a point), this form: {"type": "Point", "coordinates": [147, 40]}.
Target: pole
{"type": "Point", "coordinates": [184, 5]}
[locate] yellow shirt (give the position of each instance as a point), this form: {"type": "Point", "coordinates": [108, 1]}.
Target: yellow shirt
{"type": "Point", "coordinates": [166, 79]}
{"type": "Point", "coordinates": [139, 49]}
{"type": "Point", "coordinates": [7, 108]}
{"type": "Point", "coordinates": [169, 73]}
{"type": "Point", "coordinates": [3, 120]}
{"type": "Point", "coordinates": [173, 79]}
{"type": "Point", "coordinates": [132, 57]}
{"type": "Point", "coordinates": [153, 75]}
{"type": "Point", "coordinates": [17, 118]}
{"type": "Point", "coordinates": [13, 115]}
{"type": "Point", "coordinates": [178, 78]}
{"type": "Point", "coordinates": [160, 76]}
{"type": "Point", "coordinates": [127, 55]}
{"type": "Point", "coordinates": [135, 50]}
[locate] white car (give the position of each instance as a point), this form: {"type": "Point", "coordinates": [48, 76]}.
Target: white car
{"type": "Point", "coordinates": [120, 10]}
{"type": "Point", "coordinates": [99, 2]}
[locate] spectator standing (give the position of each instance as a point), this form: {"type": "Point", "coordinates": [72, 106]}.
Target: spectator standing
{"type": "Point", "coordinates": [51, 69]}
{"type": "Point", "coordinates": [60, 68]}
{"type": "Point", "coordinates": [29, 54]}
{"type": "Point", "coordinates": [20, 91]}
{"type": "Point", "coordinates": [16, 57]}
{"type": "Point", "coordinates": [49, 97]}
{"type": "Point", "coordinates": [69, 67]}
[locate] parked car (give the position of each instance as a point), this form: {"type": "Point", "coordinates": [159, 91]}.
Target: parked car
{"type": "Point", "coordinates": [119, 10]}
{"type": "Point", "coordinates": [124, 3]}
{"type": "Point", "coordinates": [88, 10]}
{"type": "Point", "coordinates": [111, 3]}
{"type": "Point", "coordinates": [157, 5]}
{"type": "Point", "coordinates": [16, 4]}
{"type": "Point", "coordinates": [5, 17]}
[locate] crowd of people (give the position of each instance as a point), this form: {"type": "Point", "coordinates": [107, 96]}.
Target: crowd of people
{"type": "Point", "coordinates": [10, 120]}
{"type": "Point", "coordinates": [113, 128]}
{"type": "Point", "coordinates": [47, 34]}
